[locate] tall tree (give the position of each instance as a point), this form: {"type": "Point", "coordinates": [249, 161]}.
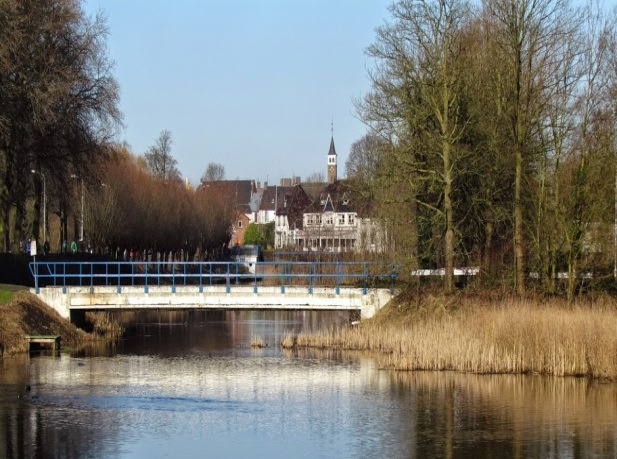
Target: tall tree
{"type": "Point", "coordinates": [525, 30]}
{"type": "Point", "coordinates": [161, 164]}
{"type": "Point", "coordinates": [58, 99]}
{"type": "Point", "coordinates": [214, 171]}
{"type": "Point", "coordinates": [420, 62]}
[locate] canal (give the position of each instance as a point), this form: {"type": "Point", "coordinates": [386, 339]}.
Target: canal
{"type": "Point", "coordinates": [182, 384]}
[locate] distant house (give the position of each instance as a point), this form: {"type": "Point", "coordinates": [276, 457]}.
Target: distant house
{"type": "Point", "coordinates": [271, 198]}
{"type": "Point", "coordinates": [238, 228]}
{"type": "Point", "coordinates": [326, 217]}
{"type": "Point", "coordinates": [289, 218]}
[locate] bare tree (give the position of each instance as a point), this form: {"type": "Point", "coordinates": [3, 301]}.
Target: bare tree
{"type": "Point", "coordinates": [420, 62]}
{"type": "Point", "coordinates": [315, 177]}
{"type": "Point", "coordinates": [159, 160]}
{"type": "Point", "coordinates": [214, 171]}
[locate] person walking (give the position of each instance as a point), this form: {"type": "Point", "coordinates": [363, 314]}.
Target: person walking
{"type": "Point", "coordinates": [73, 246]}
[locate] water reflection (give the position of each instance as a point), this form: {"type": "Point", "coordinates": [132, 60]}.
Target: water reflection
{"type": "Point", "coordinates": [192, 385]}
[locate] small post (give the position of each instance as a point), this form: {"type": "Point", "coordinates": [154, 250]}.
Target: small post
{"type": "Point", "coordinates": [173, 277]}
{"type": "Point", "coordinates": [146, 279]}
{"type": "Point", "coordinates": [227, 280]}
{"type": "Point", "coordinates": [282, 277]}
{"type": "Point", "coordinates": [201, 286]}
{"type": "Point", "coordinates": [365, 291]}
{"type": "Point", "coordinates": [119, 271]}
{"type": "Point", "coordinates": [337, 279]}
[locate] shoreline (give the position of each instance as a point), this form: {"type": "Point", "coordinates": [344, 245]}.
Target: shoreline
{"type": "Point", "coordinates": [477, 334]}
{"type": "Point", "coordinates": [24, 314]}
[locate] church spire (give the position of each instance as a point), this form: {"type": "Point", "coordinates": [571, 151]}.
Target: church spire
{"type": "Point", "coordinates": [332, 158]}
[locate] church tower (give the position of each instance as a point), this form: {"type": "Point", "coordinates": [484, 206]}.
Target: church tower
{"type": "Point", "coordinates": [332, 162]}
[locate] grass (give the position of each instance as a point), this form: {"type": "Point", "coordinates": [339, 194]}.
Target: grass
{"type": "Point", "coordinates": [480, 335]}
{"type": "Point", "coordinates": [25, 315]}
{"type": "Point", "coordinates": [7, 291]}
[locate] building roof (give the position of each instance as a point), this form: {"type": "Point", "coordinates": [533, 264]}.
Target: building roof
{"type": "Point", "coordinates": [237, 192]}
{"type": "Point", "coordinates": [273, 196]}
{"type": "Point", "coordinates": [334, 197]}
{"type": "Point", "coordinates": [332, 150]}
{"type": "Point", "coordinates": [292, 206]}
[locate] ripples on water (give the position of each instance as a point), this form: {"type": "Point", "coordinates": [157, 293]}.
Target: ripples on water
{"type": "Point", "coordinates": [197, 388]}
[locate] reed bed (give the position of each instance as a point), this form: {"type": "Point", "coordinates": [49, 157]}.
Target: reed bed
{"type": "Point", "coordinates": [258, 342]}
{"type": "Point", "coordinates": [288, 341]}
{"type": "Point", "coordinates": [105, 324]}
{"type": "Point", "coordinates": [507, 336]}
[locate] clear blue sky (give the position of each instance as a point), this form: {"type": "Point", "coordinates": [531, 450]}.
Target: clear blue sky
{"type": "Point", "coordinates": [253, 85]}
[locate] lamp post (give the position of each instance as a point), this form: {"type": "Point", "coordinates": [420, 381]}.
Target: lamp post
{"type": "Point", "coordinates": [81, 221]}
{"type": "Point", "coordinates": [34, 171]}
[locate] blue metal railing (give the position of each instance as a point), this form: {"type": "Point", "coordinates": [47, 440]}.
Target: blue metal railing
{"type": "Point", "coordinates": [283, 273]}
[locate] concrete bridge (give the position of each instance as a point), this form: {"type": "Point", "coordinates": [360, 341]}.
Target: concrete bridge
{"type": "Point", "coordinates": [72, 288]}
{"type": "Point", "coordinates": [73, 302]}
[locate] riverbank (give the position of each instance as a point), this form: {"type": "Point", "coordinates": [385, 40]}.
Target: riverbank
{"type": "Point", "coordinates": [22, 313]}
{"type": "Point", "coordinates": [484, 334]}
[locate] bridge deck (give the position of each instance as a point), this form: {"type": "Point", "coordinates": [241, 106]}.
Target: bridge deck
{"type": "Point", "coordinates": [65, 300]}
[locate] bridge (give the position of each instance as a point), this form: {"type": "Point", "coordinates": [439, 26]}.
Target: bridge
{"type": "Point", "coordinates": [72, 288]}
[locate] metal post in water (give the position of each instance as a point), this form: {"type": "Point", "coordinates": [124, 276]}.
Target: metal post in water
{"type": "Point", "coordinates": [173, 277]}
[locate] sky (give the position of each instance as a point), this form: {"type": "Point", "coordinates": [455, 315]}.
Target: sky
{"type": "Point", "coordinates": [253, 85]}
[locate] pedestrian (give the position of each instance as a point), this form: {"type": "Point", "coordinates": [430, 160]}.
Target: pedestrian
{"type": "Point", "coordinates": [64, 246]}
{"type": "Point", "coordinates": [74, 246]}
{"type": "Point", "coordinates": [28, 246]}
{"type": "Point", "coordinates": [46, 248]}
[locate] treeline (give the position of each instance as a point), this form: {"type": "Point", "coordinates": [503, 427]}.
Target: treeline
{"type": "Point", "coordinates": [135, 210]}
{"type": "Point", "coordinates": [58, 111]}
{"type": "Point", "coordinates": [493, 139]}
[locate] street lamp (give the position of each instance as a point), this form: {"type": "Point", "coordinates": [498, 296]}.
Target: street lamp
{"type": "Point", "coordinates": [81, 221]}
{"type": "Point", "coordinates": [34, 171]}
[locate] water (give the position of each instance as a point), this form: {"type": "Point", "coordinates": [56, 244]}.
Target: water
{"type": "Point", "coordinates": [189, 384]}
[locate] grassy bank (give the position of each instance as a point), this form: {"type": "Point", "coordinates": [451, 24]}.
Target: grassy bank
{"type": "Point", "coordinates": [479, 334]}
{"type": "Point", "coordinates": [24, 314]}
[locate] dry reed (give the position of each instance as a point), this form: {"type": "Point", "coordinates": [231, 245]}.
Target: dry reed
{"type": "Point", "coordinates": [257, 341]}
{"type": "Point", "coordinates": [288, 341]}
{"type": "Point", "coordinates": [105, 324]}
{"type": "Point", "coordinates": [510, 336]}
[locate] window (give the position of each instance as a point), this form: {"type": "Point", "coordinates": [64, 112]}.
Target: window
{"type": "Point", "coordinates": [310, 219]}
{"type": "Point", "coordinates": [351, 219]}
{"type": "Point", "coordinates": [318, 219]}
{"type": "Point", "coordinates": [341, 219]}
{"type": "Point", "coordinates": [329, 219]}
{"type": "Point", "coordinates": [239, 224]}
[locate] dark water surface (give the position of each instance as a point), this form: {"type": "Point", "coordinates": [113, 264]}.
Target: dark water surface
{"type": "Point", "coordinates": [189, 385]}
